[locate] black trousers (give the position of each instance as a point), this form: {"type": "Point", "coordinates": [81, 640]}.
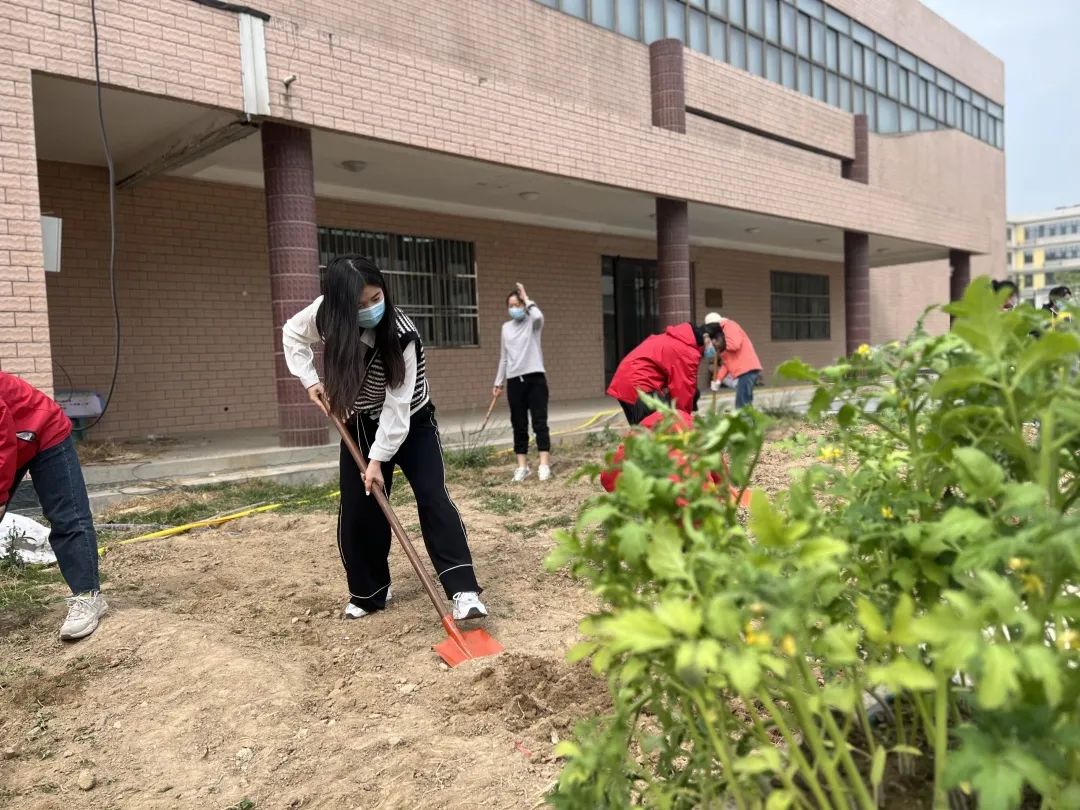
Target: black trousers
{"type": "Point", "coordinates": [638, 412]}
{"type": "Point", "coordinates": [364, 534]}
{"type": "Point", "coordinates": [528, 396]}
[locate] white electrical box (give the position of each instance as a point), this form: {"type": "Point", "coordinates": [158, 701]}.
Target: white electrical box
{"type": "Point", "coordinates": [50, 242]}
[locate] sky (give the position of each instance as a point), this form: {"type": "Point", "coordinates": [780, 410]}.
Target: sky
{"type": "Point", "coordinates": [1037, 40]}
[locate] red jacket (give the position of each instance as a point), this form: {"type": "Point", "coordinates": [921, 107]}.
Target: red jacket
{"type": "Point", "coordinates": [739, 357]}
{"type": "Point", "coordinates": [30, 423]}
{"type": "Point", "coordinates": [667, 361]}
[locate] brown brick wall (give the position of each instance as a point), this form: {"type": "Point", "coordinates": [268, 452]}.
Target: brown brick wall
{"type": "Point", "coordinates": [195, 300]}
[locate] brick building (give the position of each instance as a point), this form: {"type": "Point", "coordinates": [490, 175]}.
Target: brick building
{"type": "Point", "coordinates": [819, 172]}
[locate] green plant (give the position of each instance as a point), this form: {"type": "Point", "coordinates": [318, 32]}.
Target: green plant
{"type": "Point", "coordinates": [471, 452]}
{"type": "Point", "coordinates": [24, 590]}
{"type": "Point", "coordinates": [929, 556]}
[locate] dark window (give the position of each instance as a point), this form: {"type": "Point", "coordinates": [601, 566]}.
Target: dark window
{"type": "Point", "coordinates": [1028, 257]}
{"type": "Point", "coordinates": [432, 280]}
{"type": "Point", "coordinates": [1027, 280]}
{"type": "Point", "coordinates": [800, 306]}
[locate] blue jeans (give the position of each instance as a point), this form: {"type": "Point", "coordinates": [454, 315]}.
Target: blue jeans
{"type": "Point", "coordinates": [744, 388]}
{"type": "Point", "coordinates": [58, 481]}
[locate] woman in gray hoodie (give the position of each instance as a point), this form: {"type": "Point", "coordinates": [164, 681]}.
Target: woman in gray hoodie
{"type": "Point", "coordinates": [521, 369]}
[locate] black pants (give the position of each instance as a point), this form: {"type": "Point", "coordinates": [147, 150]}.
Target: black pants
{"type": "Point", "coordinates": [528, 396]}
{"type": "Point", "coordinates": [638, 412]}
{"type": "Point", "coordinates": [364, 534]}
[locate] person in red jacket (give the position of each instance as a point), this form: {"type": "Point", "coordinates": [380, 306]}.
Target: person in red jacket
{"type": "Point", "coordinates": [665, 366]}
{"type": "Point", "coordinates": [737, 359]}
{"type": "Point", "coordinates": [35, 437]}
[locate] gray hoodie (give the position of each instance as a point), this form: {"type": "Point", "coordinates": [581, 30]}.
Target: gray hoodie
{"type": "Point", "coordinates": [521, 350]}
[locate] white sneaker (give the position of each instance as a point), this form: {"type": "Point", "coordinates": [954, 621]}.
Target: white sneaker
{"type": "Point", "coordinates": [520, 474]}
{"type": "Point", "coordinates": [354, 612]}
{"type": "Point", "coordinates": [544, 473]}
{"type": "Point", "coordinates": [84, 614]}
{"type": "Point", "coordinates": [467, 605]}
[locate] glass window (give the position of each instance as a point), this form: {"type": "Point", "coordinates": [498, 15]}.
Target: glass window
{"type": "Point", "coordinates": [888, 116]}
{"type": "Point", "coordinates": [945, 82]}
{"type": "Point", "coordinates": [718, 39]}
{"type": "Point", "coordinates": [882, 74]}
{"type": "Point", "coordinates": [999, 136]}
{"type": "Point", "coordinates": [772, 63]}
{"type": "Point", "coordinates": [832, 89]}
{"type": "Point", "coordinates": [629, 23]}
{"type": "Point", "coordinates": [859, 100]}
{"type": "Point", "coordinates": [908, 60]}
{"type": "Point", "coordinates": [862, 34]}
{"type": "Point", "coordinates": [817, 41]}
{"type": "Point", "coordinates": [909, 119]}
{"type": "Point", "coordinates": [844, 48]}
{"type": "Point", "coordinates": [819, 83]}
{"type": "Point", "coordinates": [787, 26]}
{"type": "Point", "coordinates": [832, 57]}
{"type": "Point", "coordinates": [869, 67]}
{"type": "Point", "coordinates": [736, 13]}
{"type": "Point", "coordinates": [787, 71]}
{"type": "Point", "coordinates": [576, 7]}
{"type": "Point", "coordinates": [814, 8]}
{"type": "Point", "coordinates": [963, 92]}
{"type": "Point", "coordinates": [939, 111]}
{"type": "Point", "coordinates": [772, 21]}
{"type": "Point", "coordinates": [804, 36]}
{"type": "Point", "coordinates": [755, 16]}
{"type": "Point", "coordinates": [857, 63]}
{"type": "Point", "coordinates": [901, 85]}
{"type": "Point", "coordinates": [804, 77]}
{"type": "Point", "coordinates": [871, 111]}
{"type": "Point", "coordinates": [676, 20]}
{"type": "Point", "coordinates": [654, 20]}
{"type": "Point", "coordinates": [737, 48]}
{"type": "Point", "coordinates": [799, 306]}
{"type": "Point", "coordinates": [923, 100]}
{"type": "Point", "coordinates": [927, 71]}
{"type": "Point", "coordinates": [978, 101]}
{"type": "Point", "coordinates": [926, 124]}
{"type": "Point", "coordinates": [845, 95]}
{"type": "Point", "coordinates": [984, 125]}
{"type": "Point", "coordinates": [699, 3]}
{"type": "Point", "coordinates": [835, 19]}
{"type": "Point", "coordinates": [755, 55]}
{"type": "Point", "coordinates": [699, 31]}
{"type": "Point", "coordinates": [886, 48]}
{"type": "Point", "coordinates": [950, 110]}
{"type": "Point", "coordinates": [718, 7]}
{"type": "Point", "coordinates": [894, 79]}
{"type": "Point", "coordinates": [603, 13]}
{"type": "Point", "coordinates": [995, 109]}
{"type": "Point", "coordinates": [551, 3]}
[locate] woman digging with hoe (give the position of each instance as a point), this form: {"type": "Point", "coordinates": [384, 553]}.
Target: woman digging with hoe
{"type": "Point", "coordinates": [376, 382]}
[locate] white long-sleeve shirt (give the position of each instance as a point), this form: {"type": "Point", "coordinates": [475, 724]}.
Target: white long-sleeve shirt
{"type": "Point", "coordinates": [522, 352]}
{"type": "Point", "coordinates": [300, 333]}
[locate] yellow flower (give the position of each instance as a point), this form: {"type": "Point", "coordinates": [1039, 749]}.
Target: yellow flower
{"type": "Point", "coordinates": [754, 638]}
{"type": "Point", "coordinates": [1032, 584]}
{"type": "Point", "coordinates": [1068, 640]}
{"type": "Point", "coordinates": [757, 608]}
{"type": "Point", "coordinates": [830, 453]}
{"type": "Point", "coordinates": [1017, 563]}
{"type": "Point", "coordinates": [887, 512]}
{"type": "Point", "coordinates": [863, 351]}
{"type": "Point", "coordinates": [787, 644]}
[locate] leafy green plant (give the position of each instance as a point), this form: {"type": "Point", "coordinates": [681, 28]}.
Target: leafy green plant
{"type": "Point", "coordinates": [904, 615]}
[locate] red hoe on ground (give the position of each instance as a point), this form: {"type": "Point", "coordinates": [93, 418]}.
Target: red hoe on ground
{"type": "Point", "coordinates": [461, 645]}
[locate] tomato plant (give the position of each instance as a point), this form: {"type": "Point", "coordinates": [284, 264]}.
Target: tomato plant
{"type": "Point", "coordinates": [910, 601]}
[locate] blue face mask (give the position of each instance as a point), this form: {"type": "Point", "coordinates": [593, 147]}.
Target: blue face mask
{"type": "Point", "coordinates": [710, 352]}
{"type": "Point", "coordinates": [369, 317]}
{"type": "Point", "coordinates": [517, 313]}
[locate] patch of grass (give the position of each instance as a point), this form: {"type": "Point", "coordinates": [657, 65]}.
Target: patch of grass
{"type": "Point", "coordinates": [243, 804]}
{"type": "Point", "coordinates": [530, 530]}
{"type": "Point", "coordinates": [601, 439]}
{"type": "Point", "coordinates": [181, 506]}
{"type": "Point", "coordinates": [502, 504]}
{"type": "Point", "coordinates": [24, 591]}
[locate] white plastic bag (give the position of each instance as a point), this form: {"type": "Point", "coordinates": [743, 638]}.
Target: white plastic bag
{"type": "Point", "coordinates": [31, 540]}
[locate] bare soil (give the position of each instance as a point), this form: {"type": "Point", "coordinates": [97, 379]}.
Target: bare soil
{"type": "Point", "coordinates": [223, 675]}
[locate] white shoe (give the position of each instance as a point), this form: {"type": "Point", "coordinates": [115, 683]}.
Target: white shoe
{"type": "Point", "coordinates": [84, 614]}
{"type": "Point", "coordinates": [544, 473]}
{"type": "Point", "coordinates": [467, 605]}
{"type": "Point", "coordinates": [520, 474]}
{"type": "Point", "coordinates": [354, 612]}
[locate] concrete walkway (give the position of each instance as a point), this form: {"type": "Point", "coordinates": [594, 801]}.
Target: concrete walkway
{"type": "Point", "coordinates": [240, 455]}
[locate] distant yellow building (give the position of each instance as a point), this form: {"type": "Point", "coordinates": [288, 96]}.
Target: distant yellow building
{"type": "Point", "coordinates": [1043, 251]}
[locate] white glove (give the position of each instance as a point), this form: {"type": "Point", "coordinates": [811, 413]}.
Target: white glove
{"type": "Point", "coordinates": [730, 381]}
{"type": "Point", "coordinates": [714, 386]}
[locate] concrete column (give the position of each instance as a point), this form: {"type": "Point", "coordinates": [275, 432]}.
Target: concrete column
{"type": "Point", "coordinates": [668, 88]}
{"type": "Point", "coordinates": [858, 168]}
{"type": "Point", "coordinates": [856, 289]}
{"type": "Point", "coordinates": [960, 275]}
{"type": "Point", "coordinates": [289, 181]}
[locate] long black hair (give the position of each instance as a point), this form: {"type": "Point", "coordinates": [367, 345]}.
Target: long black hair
{"type": "Point", "coordinates": [346, 277]}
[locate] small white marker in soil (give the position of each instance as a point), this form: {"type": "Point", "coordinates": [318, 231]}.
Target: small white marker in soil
{"type": "Point", "coordinates": [245, 755]}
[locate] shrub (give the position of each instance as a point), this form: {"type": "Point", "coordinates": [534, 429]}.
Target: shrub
{"type": "Point", "coordinates": [899, 625]}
